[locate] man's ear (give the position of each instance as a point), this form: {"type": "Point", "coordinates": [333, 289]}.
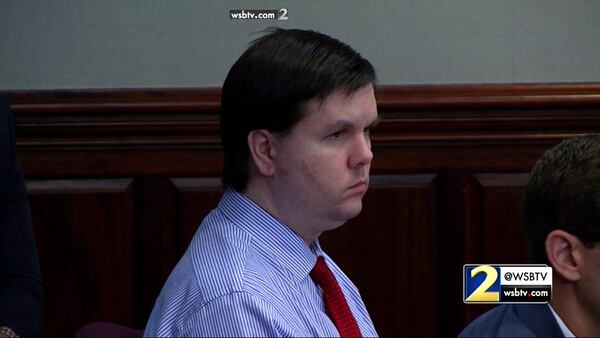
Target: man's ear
{"type": "Point", "coordinates": [565, 254]}
{"type": "Point", "coordinates": [260, 143]}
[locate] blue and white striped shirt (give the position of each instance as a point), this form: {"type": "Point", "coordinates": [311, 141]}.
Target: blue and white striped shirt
{"type": "Point", "coordinates": [246, 274]}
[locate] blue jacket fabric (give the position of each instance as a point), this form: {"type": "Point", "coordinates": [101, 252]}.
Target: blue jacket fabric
{"type": "Point", "coordinates": [515, 320]}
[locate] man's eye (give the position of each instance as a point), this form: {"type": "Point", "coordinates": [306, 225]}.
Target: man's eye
{"type": "Point", "coordinates": [367, 131]}
{"type": "Point", "coordinates": [337, 134]}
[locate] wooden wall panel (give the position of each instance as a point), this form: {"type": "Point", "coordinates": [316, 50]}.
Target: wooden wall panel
{"type": "Point", "coordinates": [156, 249]}
{"type": "Point", "coordinates": [390, 249]}
{"type": "Point", "coordinates": [503, 236]}
{"type": "Point", "coordinates": [172, 209]}
{"type": "Point", "coordinates": [196, 197]}
{"type": "Point", "coordinates": [450, 160]}
{"type": "Point", "coordinates": [456, 228]}
{"type": "Point", "coordinates": [490, 207]}
{"type": "Point", "coordinates": [482, 225]}
{"type": "Point", "coordinates": [84, 232]}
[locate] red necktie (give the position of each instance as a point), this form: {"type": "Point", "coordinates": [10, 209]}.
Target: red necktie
{"type": "Point", "coordinates": [336, 304]}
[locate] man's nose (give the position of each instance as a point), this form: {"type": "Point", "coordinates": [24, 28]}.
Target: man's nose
{"type": "Point", "coordinates": [361, 154]}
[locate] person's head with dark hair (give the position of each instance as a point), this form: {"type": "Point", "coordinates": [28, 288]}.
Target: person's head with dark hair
{"type": "Point", "coordinates": [563, 193]}
{"type": "Point", "coordinates": [271, 84]}
{"type": "Point", "coordinates": [561, 212]}
{"type": "Point", "coordinates": [296, 111]}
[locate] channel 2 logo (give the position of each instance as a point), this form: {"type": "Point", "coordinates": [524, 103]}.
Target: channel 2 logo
{"type": "Point", "coordinates": [486, 283]}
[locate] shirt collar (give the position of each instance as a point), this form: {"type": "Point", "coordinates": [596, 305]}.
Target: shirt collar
{"type": "Point", "coordinates": [565, 330]}
{"type": "Point", "coordinates": [286, 246]}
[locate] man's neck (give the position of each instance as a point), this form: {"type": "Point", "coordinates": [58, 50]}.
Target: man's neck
{"type": "Point", "coordinates": [561, 324]}
{"type": "Point", "coordinates": [263, 197]}
{"type": "Point", "coordinates": [573, 314]}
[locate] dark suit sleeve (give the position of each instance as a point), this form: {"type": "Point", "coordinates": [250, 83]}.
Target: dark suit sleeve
{"type": "Point", "coordinates": [21, 296]}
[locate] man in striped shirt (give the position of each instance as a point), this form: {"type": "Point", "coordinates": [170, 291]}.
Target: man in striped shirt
{"type": "Point", "coordinates": [296, 111]}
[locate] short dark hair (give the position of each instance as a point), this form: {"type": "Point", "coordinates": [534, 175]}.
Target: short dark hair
{"type": "Point", "coordinates": [269, 85]}
{"type": "Point", "coordinates": [563, 192]}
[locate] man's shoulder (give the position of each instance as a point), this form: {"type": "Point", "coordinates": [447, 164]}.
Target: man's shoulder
{"type": "Point", "coordinates": [215, 270]}
{"type": "Point", "coordinates": [488, 324]}
{"type": "Point", "coordinates": [217, 254]}
{"type": "Point", "coordinates": [517, 320]}
{"type": "Point", "coordinates": [225, 258]}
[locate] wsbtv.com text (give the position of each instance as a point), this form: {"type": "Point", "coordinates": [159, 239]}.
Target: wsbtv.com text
{"type": "Point", "coordinates": [258, 14]}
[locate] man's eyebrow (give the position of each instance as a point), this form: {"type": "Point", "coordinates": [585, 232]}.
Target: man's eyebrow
{"type": "Point", "coordinates": [345, 124]}
{"type": "Point", "coordinates": [339, 124]}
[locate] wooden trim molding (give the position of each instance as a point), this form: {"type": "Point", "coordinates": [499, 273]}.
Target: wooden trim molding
{"type": "Point", "coordinates": [489, 96]}
{"type": "Point", "coordinates": [114, 101]}
{"type": "Point", "coordinates": [188, 118]}
{"type": "Point", "coordinates": [389, 98]}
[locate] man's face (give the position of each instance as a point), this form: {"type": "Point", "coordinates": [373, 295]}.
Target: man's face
{"type": "Point", "coordinates": [322, 165]}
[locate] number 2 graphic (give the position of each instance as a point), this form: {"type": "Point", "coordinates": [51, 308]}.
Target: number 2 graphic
{"type": "Point", "coordinates": [481, 294]}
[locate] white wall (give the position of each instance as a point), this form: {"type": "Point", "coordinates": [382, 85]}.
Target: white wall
{"type": "Point", "coordinates": [59, 44]}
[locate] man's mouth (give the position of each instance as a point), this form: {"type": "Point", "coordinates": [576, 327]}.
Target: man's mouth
{"type": "Point", "coordinates": [360, 186]}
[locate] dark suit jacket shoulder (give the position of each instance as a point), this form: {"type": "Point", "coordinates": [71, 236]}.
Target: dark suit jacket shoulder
{"type": "Point", "coordinates": [515, 320]}
{"type": "Point", "coordinates": [21, 297]}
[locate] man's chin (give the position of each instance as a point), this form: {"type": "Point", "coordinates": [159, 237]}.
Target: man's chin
{"type": "Point", "coordinates": [344, 213]}
{"type": "Point", "coordinates": [351, 210]}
